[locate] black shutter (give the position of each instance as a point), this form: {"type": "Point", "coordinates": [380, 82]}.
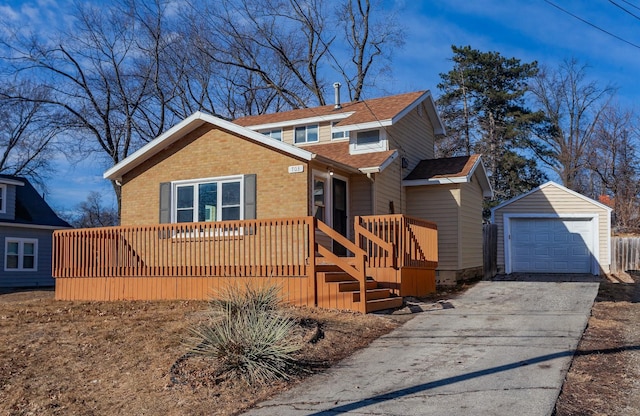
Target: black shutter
{"type": "Point", "coordinates": [165, 202]}
{"type": "Point", "coordinates": [250, 197]}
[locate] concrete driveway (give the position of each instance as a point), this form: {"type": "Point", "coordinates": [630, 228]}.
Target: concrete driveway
{"type": "Point", "coordinates": [503, 348]}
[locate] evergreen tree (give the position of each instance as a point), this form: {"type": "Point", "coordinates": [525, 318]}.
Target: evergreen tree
{"type": "Point", "coordinates": [483, 106]}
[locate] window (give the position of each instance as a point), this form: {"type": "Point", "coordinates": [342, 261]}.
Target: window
{"type": "Point", "coordinates": [319, 198]}
{"type": "Point", "coordinates": [274, 134]}
{"type": "Point", "coordinates": [20, 254]}
{"type": "Point", "coordinates": [368, 138]}
{"type": "Point", "coordinates": [306, 134]}
{"type": "Point", "coordinates": [336, 135]}
{"type": "Point", "coordinates": [3, 198]}
{"type": "Point", "coordinates": [208, 200]}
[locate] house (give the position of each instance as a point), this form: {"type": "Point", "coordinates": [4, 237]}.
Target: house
{"type": "Point", "coordinates": [552, 229]}
{"type": "Point", "coordinates": [343, 205]}
{"type": "Point", "coordinates": [334, 162]}
{"type": "Point", "coordinates": [26, 225]}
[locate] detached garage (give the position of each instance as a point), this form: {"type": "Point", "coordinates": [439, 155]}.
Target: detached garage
{"type": "Point", "coordinates": [552, 229]}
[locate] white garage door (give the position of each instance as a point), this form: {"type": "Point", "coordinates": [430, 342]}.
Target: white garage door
{"type": "Point", "coordinates": [551, 245]}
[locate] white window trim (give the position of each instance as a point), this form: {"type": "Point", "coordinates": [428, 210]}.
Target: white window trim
{"type": "Point", "coordinates": [354, 148]}
{"type": "Point", "coordinates": [269, 133]}
{"type": "Point", "coordinates": [345, 133]}
{"type": "Point", "coordinates": [21, 242]}
{"type": "Point", "coordinates": [306, 133]}
{"type": "Point", "coordinates": [328, 197]}
{"type": "Point", "coordinates": [219, 180]}
{"type": "Point", "coordinates": [3, 200]}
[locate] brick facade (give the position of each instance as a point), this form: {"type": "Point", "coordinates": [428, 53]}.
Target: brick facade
{"type": "Point", "coordinates": [210, 152]}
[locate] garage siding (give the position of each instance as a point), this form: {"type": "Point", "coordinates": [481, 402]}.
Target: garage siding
{"type": "Point", "coordinates": [552, 199]}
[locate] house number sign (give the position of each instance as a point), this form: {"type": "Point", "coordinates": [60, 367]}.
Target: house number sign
{"type": "Point", "coordinates": [296, 169]}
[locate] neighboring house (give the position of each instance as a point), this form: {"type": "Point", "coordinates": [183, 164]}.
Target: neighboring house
{"type": "Point", "coordinates": [552, 229]}
{"type": "Point", "coordinates": [26, 225]}
{"type": "Point", "coordinates": [334, 162]}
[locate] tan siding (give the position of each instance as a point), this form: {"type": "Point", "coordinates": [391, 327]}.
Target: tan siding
{"type": "Point", "coordinates": [360, 195]}
{"type": "Point", "coordinates": [413, 136]}
{"type": "Point", "coordinates": [440, 204]}
{"type": "Point", "coordinates": [553, 200]}
{"type": "Point", "coordinates": [324, 133]}
{"type": "Point", "coordinates": [388, 187]}
{"type": "Point", "coordinates": [209, 152]}
{"type": "Point", "coordinates": [471, 225]}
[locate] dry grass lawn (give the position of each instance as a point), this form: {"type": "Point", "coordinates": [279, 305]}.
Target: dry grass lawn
{"type": "Point", "coordinates": [97, 358]}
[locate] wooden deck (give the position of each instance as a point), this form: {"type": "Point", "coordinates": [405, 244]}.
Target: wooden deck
{"type": "Point", "coordinates": [392, 256]}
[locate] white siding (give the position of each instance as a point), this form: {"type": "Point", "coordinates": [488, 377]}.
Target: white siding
{"type": "Point", "coordinates": [554, 200]}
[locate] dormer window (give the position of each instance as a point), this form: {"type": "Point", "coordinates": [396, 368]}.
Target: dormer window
{"type": "Point", "coordinates": [275, 134]}
{"type": "Point", "coordinates": [337, 135]}
{"type": "Point", "coordinates": [368, 138]}
{"type": "Point", "coordinates": [3, 198]}
{"type": "Point", "coordinates": [367, 141]}
{"type": "Point", "coordinates": [306, 134]}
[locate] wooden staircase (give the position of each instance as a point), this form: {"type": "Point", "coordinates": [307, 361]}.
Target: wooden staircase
{"type": "Point", "coordinates": [339, 290]}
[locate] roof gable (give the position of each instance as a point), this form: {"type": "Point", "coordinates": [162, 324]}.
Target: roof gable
{"type": "Point", "coordinates": [442, 171]}
{"type": "Point", "coordinates": [185, 127]}
{"type": "Point", "coordinates": [543, 186]}
{"type": "Point", "coordinates": [31, 208]}
{"type": "Point", "coordinates": [376, 112]}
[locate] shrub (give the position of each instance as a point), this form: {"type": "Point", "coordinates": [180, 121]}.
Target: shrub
{"type": "Point", "coordinates": [249, 337]}
{"type": "Point", "coordinates": [234, 298]}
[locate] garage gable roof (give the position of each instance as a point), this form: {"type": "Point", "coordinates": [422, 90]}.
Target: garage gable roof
{"type": "Point", "coordinates": [185, 127]}
{"type": "Point", "coordinates": [448, 170]}
{"type": "Point", "coordinates": [545, 185]}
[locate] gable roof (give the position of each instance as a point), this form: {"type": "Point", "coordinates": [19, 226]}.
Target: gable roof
{"type": "Point", "coordinates": [441, 171]}
{"type": "Point", "coordinates": [550, 184]}
{"type": "Point", "coordinates": [185, 127]}
{"type": "Point", "coordinates": [31, 208]}
{"type": "Point", "coordinates": [355, 115]}
{"type": "Point", "coordinates": [365, 162]}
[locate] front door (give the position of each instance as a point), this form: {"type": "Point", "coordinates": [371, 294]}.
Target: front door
{"type": "Point", "coordinates": [329, 204]}
{"type": "Point", "coordinates": [339, 214]}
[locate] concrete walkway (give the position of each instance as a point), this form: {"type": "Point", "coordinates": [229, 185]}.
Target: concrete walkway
{"type": "Point", "coordinates": [503, 348]}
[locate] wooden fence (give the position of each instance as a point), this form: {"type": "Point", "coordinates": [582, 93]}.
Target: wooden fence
{"type": "Point", "coordinates": [625, 254]}
{"type": "Point", "coordinates": [489, 250]}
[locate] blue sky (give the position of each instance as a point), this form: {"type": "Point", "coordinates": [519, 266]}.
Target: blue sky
{"type": "Point", "coordinates": [530, 30]}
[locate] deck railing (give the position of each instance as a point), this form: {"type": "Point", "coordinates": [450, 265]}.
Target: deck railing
{"type": "Point", "coordinates": [397, 241]}
{"type": "Point", "coordinates": [277, 247]}
{"type": "Point", "coordinates": [169, 260]}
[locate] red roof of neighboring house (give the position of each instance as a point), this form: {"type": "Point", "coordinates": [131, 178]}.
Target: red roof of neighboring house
{"type": "Point", "coordinates": [339, 152]}
{"type": "Point", "coordinates": [376, 109]}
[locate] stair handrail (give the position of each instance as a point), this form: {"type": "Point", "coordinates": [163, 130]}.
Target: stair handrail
{"type": "Point", "coordinates": [359, 272]}
{"type": "Point", "coordinates": [385, 245]}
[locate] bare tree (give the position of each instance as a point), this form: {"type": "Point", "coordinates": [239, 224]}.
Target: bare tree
{"type": "Point", "coordinates": [28, 130]}
{"type": "Point", "coordinates": [93, 213]}
{"type": "Point", "coordinates": [102, 75]}
{"type": "Point", "coordinates": [280, 49]}
{"type": "Point", "coordinates": [369, 36]}
{"type": "Point", "coordinates": [573, 105]}
{"type": "Point", "coordinates": [613, 158]}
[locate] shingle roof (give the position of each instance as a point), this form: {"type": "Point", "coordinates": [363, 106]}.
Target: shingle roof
{"type": "Point", "coordinates": [376, 109]}
{"type": "Point", "coordinates": [31, 208]}
{"type": "Point", "coordinates": [443, 168]}
{"type": "Point", "coordinates": [339, 152]}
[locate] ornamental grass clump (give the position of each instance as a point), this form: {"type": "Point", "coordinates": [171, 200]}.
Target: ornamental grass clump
{"type": "Point", "coordinates": [249, 336]}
